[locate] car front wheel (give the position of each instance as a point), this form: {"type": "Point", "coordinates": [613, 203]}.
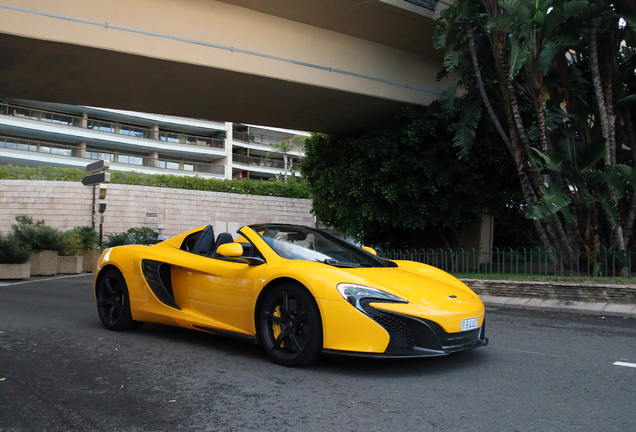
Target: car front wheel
{"type": "Point", "coordinates": [113, 302]}
{"type": "Point", "coordinates": [289, 326]}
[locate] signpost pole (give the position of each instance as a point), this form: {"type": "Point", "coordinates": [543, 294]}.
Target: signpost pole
{"type": "Point", "coordinates": [97, 176]}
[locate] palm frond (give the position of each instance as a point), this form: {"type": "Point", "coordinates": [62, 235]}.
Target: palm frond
{"type": "Point", "coordinates": [465, 133]}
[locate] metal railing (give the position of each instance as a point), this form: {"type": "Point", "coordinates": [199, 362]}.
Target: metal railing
{"type": "Point", "coordinates": [258, 161]}
{"type": "Point", "coordinates": [174, 137]}
{"type": "Point", "coordinates": [40, 115]}
{"type": "Point", "coordinates": [159, 164]}
{"type": "Point", "coordinates": [119, 128]}
{"type": "Point", "coordinates": [37, 146]}
{"type": "Point", "coordinates": [255, 138]}
{"type": "Point", "coordinates": [534, 261]}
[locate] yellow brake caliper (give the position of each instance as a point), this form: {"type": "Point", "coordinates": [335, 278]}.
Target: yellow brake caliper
{"type": "Point", "coordinates": [276, 328]}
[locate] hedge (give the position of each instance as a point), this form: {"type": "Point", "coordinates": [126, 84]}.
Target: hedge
{"type": "Point", "coordinates": [288, 189]}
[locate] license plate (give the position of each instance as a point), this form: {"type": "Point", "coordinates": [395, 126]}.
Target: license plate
{"type": "Point", "coordinates": [469, 324]}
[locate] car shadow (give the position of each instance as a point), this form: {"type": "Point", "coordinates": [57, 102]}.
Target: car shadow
{"type": "Point", "coordinates": [345, 365]}
{"type": "Point", "coordinates": [394, 367]}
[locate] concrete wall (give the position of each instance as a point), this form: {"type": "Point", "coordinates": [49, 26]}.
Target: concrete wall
{"type": "Point", "coordinates": [568, 291]}
{"type": "Point", "coordinates": [65, 205]}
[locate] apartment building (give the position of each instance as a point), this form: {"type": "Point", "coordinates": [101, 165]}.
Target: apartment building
{"type": "Point", "coordinates": [38, 133]}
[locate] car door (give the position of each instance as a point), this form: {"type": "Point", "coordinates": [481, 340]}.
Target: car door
{"type": "Point", "coordinates": [217, 293]}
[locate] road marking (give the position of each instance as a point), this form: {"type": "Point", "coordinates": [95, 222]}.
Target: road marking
{"type": "Point", "coordinates": [633, 365]}
{"type": "Point", "coordinates": [5, 284]}
{"type": "Point", "coordinates": [527, 352]}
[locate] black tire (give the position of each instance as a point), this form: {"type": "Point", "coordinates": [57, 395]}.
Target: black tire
{"type": "Point", "coordinates": [113, 302]}
{"type": "Point", "coordinates": [289, 326]}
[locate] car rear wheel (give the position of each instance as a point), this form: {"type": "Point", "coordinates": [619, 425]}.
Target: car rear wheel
{"type": "Point", "coordinates": [113, 302]}
{"type": "Point", "coordinates": [289, 326]}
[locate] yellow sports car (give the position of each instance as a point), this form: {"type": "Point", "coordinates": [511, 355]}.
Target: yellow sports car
{"type": "Point", "coordinates": [297, 291]}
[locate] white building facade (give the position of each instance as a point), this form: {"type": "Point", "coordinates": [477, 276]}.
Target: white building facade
{"type": "Point", "coordinates": [46, 134]}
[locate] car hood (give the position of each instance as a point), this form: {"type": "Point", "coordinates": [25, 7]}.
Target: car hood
{"type": "Point", "coordinates": [425, 285]}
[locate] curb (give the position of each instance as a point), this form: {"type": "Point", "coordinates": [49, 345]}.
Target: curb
{"type": "Point", "coordinates": [567, 306]}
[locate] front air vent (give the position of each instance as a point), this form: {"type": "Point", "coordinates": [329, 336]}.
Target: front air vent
{"type": "Point", "coordinates": [159, 279]}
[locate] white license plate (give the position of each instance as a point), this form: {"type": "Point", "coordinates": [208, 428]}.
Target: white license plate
{"type": "Point", "coordinates": [469, 324]}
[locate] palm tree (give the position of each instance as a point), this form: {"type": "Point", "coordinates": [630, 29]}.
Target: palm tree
{"type": "Point", "coordinates": [528, 63]}
{"type": "Point", "coordinates": [286, 146]}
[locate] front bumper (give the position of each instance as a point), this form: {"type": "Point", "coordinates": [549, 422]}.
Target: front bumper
{"type": "Point", "coordinates": [418, 337]}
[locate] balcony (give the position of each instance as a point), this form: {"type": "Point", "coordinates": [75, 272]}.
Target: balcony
{"type": "Point", "coordinates": [262, 162]}
{"type": "Point", "coordinates": [130, 162]}
{"type": "Point", "coordinates": [110, 127]}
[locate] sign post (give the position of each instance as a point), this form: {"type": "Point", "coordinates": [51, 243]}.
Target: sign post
{"type": "Point", "coordinates": [97, 176]}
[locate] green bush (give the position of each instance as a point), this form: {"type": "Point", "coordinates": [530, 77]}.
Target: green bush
{"type": "Point", "coordinates": [88, 237]}
{"type": "Point", "coordinates": [12, 250]}
{"type": "Point", "coordinates": [118, 239]}
{"type": "Point", "coordinates": [73, 242]}
{"type": "Point", "coordinates": [142, 235]}
{"type": "Point", "coordinates": [36, 235]}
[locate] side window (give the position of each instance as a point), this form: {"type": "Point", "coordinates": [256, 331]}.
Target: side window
{"type": "Point", "coordinates": [190, 241]}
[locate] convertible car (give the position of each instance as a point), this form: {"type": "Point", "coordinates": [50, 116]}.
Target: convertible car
{"type": "Point", "coordinates": [297, 291]}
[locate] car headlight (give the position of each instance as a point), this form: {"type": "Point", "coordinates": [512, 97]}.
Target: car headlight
{"type": "Point", "coordinates": [354, 293]}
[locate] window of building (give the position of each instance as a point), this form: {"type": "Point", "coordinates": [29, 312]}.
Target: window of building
{"type": "Point", "coordinates": [100, 155]}
{"type": "Point", "coordinates": [428, 4]}
{"type": "Point", "coordinates": [130, 160]}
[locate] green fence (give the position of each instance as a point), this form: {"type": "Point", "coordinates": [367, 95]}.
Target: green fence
{"type": "Point", "coordinates": [535, 261]}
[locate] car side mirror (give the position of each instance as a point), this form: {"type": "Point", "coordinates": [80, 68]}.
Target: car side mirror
{"type": "Point", "coordinates": [230, 250]}
{"type": "Point", "coordinates": [370, 250]}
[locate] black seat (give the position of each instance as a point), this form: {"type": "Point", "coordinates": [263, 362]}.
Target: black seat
{"type": "Point", "coordinates": [205, 243]}
{"type": "Point", "coordinates": [223, 238]}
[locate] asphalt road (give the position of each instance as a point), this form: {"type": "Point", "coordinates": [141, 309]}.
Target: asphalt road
{"type": "Point", "coordinates": [60, 370]}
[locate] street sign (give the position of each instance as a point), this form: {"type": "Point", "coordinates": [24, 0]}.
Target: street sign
{"type": "Point", "coordinates": [93, 179]}
{"type": "Point", "coordinates": [100, 165]}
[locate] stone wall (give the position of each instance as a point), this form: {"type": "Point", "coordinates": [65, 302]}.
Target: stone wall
{"type": "Point", "coordinates": [568, 291]}
{"type": "Point", "coordinates": [65, 205]}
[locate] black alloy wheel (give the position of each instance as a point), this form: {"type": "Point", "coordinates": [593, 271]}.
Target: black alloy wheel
{"type": "Point", "coordinates": [289, 326]}
{"type": "Point", "coordinates": [113, 302]}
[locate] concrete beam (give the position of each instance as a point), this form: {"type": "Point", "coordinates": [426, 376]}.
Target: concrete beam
{"type": "Point", "coordinates": [217, 61]}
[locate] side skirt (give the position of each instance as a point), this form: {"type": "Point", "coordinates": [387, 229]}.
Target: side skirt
{"type": "Point", "coordinates": [226, 333]}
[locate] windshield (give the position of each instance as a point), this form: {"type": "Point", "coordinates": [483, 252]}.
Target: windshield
{"type": "Point", "coordinates": [302, 243]}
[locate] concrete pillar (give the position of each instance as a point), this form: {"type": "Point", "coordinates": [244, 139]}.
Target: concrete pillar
{"type": "Point", "coordinates": [228, 149]}
{"type": "Point", "coordinates": [84, 121]}
{"type": "Point", "coordinates": [154, 132]}
{"type": "Point", "coordinates": [80, 150]}
{"type": "Point", "coordinates": [479, 236]}
{"type": "Point", "coordinates": [153, 159]}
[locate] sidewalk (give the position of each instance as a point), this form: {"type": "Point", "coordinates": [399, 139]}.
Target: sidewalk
{"type": "Point", "coordinates": [568, 306]}
{"type": "Point", "coordinates": [582, 297]}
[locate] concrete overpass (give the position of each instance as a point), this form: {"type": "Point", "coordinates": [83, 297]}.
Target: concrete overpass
{"type": "Point", "coordinates": [318, 65]}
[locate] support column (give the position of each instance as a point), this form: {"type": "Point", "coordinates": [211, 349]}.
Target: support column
{"type": "Point", "coordinates": [80, 149]}
{"type": "Point", "coordinates": [153, 159]}
{"type": "Point", "coordinates": [228, 149]}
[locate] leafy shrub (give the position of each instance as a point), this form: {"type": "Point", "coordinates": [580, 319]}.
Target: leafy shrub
{"type": "Point", "coordinates": [36, 235]}
{"type": "Point", "coordinates": [12, 250]}
{"type": "Point", "coordinates": [88, 237]}
{"type": "Point", "coordinates": [143, 235]}
{"type": "Point", "coordinates": [73, 242]}
{"type": "Point", "coordinates": [11, 172]}
{"type": "Point", "coordinates": [118, 239]}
